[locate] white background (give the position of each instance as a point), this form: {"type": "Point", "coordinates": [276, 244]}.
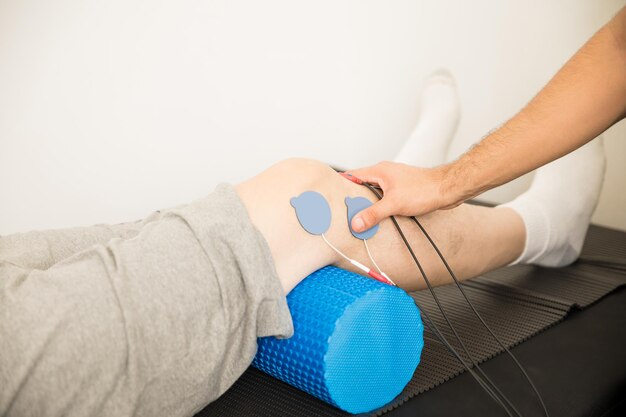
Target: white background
{"type": "Point", "coordinates": [109, 110]}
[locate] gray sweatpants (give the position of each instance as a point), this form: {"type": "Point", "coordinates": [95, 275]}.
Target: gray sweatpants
{"type": "Point", "coordinates": [153, 318]}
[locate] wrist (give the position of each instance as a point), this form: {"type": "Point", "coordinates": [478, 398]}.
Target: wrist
{"type": "Point", "coordinates": [458, 183]}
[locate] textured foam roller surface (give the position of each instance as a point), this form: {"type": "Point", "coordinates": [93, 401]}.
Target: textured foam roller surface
{"type": "Point", "coordinates": [356, 342]}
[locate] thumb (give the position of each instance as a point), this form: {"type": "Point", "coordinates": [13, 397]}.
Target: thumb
{"type": "Point", "coordinates": [371, 216]}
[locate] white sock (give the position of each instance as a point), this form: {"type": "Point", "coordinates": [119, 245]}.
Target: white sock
{"type": "Point", "coordinates": [439, 117]}
{"type": "Point", "coordinates": [557, 207]}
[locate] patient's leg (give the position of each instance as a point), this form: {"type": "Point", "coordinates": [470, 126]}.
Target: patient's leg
{"type": "Point", "coordinates": [473, 239]}
{"type": "Point", "coordinates": [46, 248]}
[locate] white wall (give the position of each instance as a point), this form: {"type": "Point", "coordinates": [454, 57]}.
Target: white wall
{"type": "Point", "coordinates": [109, 110]}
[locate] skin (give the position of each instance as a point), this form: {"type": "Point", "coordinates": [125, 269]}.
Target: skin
{"type": "Point", "coordinates": [473, 239]}
{"type": "Point", "coordinates": [586, 97]}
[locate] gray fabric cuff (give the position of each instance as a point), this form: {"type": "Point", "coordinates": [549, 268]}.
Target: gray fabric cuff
{"type": "Point", "coordinates": [242, 262]}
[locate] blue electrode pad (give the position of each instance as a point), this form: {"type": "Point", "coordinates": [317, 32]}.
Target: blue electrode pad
{"type": "Point", "coordinates": [356, 342]}
{"type": "Point", "coordinates": [355, 205]}
{"type": "Point", "coordinates": [313, 212]}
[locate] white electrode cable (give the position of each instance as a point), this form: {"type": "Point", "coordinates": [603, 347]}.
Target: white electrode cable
{"type": "Point", "coordinates": [380, 277]}
{"type": "Point", "coordinates": [335, 249]}
{"type": "Point", "coordinates": [367, 248]}
{"type": "Point", "coordinates": [374, 262]}
{"type": "Point", "coordinates": [352, 261]}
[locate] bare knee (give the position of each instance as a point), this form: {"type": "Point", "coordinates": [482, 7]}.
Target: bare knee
{"type": "Point", "coordinates": [267, 198]}
{"type": "Point", "coordinates": [287, 179]}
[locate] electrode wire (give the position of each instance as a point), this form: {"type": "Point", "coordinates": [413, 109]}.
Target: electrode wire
{"type": "Point", "coordinates": [486, 386]}
{"type": "Point", "coordinates": [445, 316]}
{"type": "Point", "coordinates": [431, 325]}
{"type": "Point", "coordinates": [458, 284]}
{"type": "Point", "coordinates": [376, 265]}
{"type": "Point", "coordinates": [371, 257]}
{"type": "Point", "coordinates": [335, 249]}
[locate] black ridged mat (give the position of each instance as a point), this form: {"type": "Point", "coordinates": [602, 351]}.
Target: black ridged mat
{"type": "Point", "coordinates": [517, 303]}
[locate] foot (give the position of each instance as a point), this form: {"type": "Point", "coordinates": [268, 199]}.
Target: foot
{"type": "Point", "coordinates": [439, 117]}
{"type": "Point", "coordinates": [557, 208]}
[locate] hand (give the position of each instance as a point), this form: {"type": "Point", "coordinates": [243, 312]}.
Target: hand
{"type": "Point", "coordinates": [407, 191]}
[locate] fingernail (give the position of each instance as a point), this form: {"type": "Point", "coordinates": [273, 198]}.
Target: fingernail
{"type": "Point", "coordinates": [358, 224]}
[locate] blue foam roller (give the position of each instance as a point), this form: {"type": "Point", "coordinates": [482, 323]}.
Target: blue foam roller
{"type": "Point", "coordinates": [356, 342]}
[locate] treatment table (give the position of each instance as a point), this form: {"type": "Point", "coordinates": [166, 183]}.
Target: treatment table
{"type": "Point", "coordinates": [567, 326]}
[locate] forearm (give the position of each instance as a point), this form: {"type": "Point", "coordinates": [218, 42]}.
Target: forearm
{"type": "Point", "coordinates": [584, 98]}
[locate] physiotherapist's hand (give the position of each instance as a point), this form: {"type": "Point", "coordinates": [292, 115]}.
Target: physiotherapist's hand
{"type": "Point", "coordinates": [407, 191]}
